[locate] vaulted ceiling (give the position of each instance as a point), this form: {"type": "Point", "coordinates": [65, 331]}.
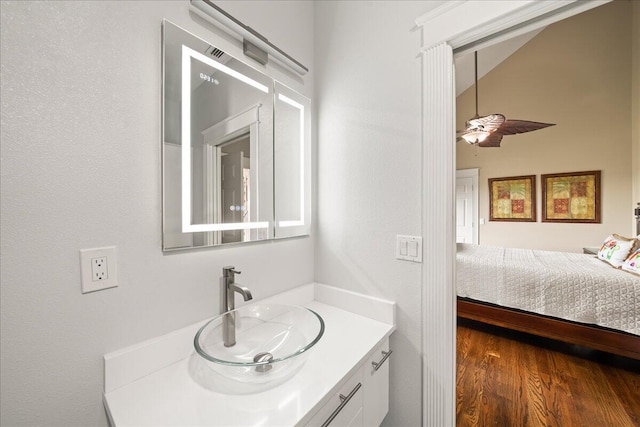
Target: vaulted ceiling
{"type": "Point", "coordinates": [488, 59]}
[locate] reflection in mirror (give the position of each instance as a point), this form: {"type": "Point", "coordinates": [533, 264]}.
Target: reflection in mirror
{"type": "Point", "coordinates": [229, 112]}
{"type": "Point", "coordinates": [234, 170]}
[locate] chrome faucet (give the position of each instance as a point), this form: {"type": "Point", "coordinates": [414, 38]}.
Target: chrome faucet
{"type": "Point", "coordinates": [229, 288]}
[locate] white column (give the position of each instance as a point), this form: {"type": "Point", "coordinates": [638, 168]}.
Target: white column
{"type": "Point", "coordinates": [438, 229]}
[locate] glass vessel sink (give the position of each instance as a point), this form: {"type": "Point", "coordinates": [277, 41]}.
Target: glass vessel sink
{"type": "Point", "coordinates": [272, 342]}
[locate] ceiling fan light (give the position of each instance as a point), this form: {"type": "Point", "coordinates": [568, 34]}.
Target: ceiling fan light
{"type": "Point", "coordinates": [476, 136]}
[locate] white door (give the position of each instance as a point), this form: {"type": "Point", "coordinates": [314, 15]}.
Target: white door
{"type": "Point", "coordinates": [467, 206]}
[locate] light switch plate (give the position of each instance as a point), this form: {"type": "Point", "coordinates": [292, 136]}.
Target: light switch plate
{"type": "Point", "coordinates": [409, 248]}
{"type": "Point", "coordinates": [98, 269]}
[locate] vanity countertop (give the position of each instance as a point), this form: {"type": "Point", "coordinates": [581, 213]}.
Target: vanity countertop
{"type": "Point", "coordinates": [165, 392]}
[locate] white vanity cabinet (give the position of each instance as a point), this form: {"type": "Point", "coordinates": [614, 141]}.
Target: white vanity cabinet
{"type": "Point", "coordinates": [363, 399]}
{"type": "Point", "coordinates": [163, 381]}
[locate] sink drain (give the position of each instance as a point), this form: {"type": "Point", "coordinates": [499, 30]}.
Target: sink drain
{"type": "Point", "coordinates": [263, 357]}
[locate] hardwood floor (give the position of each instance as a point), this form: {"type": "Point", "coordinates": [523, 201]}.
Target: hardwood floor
{"type": "Point", "coordinates": [507, 378]}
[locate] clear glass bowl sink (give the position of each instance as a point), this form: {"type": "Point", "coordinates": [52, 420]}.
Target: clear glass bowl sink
{"type": "Point", "coordinates": [272, 342]}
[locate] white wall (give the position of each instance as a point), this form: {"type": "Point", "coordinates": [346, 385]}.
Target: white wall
{"type": "Point", "coordinates": [369, 172]}
{"type": "Point", "coordinates": [80, 168]}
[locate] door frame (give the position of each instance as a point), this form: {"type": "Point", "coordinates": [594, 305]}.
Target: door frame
{"type": "Point", "coordinates": [455, 26]}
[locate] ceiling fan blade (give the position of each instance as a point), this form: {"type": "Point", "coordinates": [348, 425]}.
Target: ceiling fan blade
{"type": "Point", "coordinates": [479, 128]}
{"type": "Point", "coordinates": [492, 140]}
{"type": "Point", "coordinates": [512, 127]}
{"type": "Point", "coordinates": [486, 123]}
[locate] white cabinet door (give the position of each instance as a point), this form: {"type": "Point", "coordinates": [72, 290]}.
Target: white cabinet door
{"type": "Point", "coordinates": [357, 420]}
{"type": "Point", "coordinates": [376, 386]}
{"type": "Point", "coordinates": [344, 408]}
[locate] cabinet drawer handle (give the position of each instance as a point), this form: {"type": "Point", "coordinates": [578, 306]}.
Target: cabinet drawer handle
{"type": "Point", "coordinates": [343, 402]}
{"type": "Point", "coordinates": [386, 354]}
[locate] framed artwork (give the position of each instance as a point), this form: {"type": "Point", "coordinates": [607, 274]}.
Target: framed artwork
{"type": "Point", "coordinates": [571, 197]}
{"type": "Point", "coordinates": [512, 198]}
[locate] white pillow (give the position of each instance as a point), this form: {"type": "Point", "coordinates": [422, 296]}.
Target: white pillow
{"type": "Point", "coordinates": [632, 263]}
{"type": "Point", "coordinates": [616, 249]}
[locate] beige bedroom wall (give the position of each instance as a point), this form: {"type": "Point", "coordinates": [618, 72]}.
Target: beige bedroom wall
{"type": "Point", "coordinates": [577, 74]}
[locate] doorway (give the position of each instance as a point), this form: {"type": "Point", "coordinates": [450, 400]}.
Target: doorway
{"type": "Point", "coordinates": [467, 206]}
{"type": "Point", "coordinates": [463, 26]}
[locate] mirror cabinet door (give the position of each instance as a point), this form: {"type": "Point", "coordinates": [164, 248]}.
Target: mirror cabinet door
{"type": "Point", "coordinates": [292, 162]}
{"type": "Point", "coordinates": [219, 128]}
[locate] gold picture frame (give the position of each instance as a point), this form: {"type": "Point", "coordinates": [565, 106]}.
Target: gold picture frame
{"type": "Point", "coordinates": [512, 198]}
{"type": "Point", "coordinates": [572, 197]}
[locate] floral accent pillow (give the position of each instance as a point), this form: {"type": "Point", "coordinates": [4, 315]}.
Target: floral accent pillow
{"type": "Point", "coordinates": [616, 249]}
{"type": "Point", "coordinates": [632, 263]}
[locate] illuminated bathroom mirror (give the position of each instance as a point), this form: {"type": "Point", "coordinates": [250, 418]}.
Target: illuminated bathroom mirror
{"type": "Point", "coordinates": [221, 140]}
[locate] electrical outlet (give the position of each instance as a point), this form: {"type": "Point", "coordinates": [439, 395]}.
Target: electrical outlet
{"type": "Point", "coordinates": [98, 269]}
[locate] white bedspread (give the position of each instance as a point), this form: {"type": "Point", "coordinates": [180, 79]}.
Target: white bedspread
{"type": "Point", "coordinates": [571, 286]}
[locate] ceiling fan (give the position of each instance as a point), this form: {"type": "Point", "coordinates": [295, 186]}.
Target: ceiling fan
{"type": "Point", "coordinates": [487, 131]}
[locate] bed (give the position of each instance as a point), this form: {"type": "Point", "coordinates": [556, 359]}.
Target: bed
{"type": "Point", "coordinates": [570, 297]}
